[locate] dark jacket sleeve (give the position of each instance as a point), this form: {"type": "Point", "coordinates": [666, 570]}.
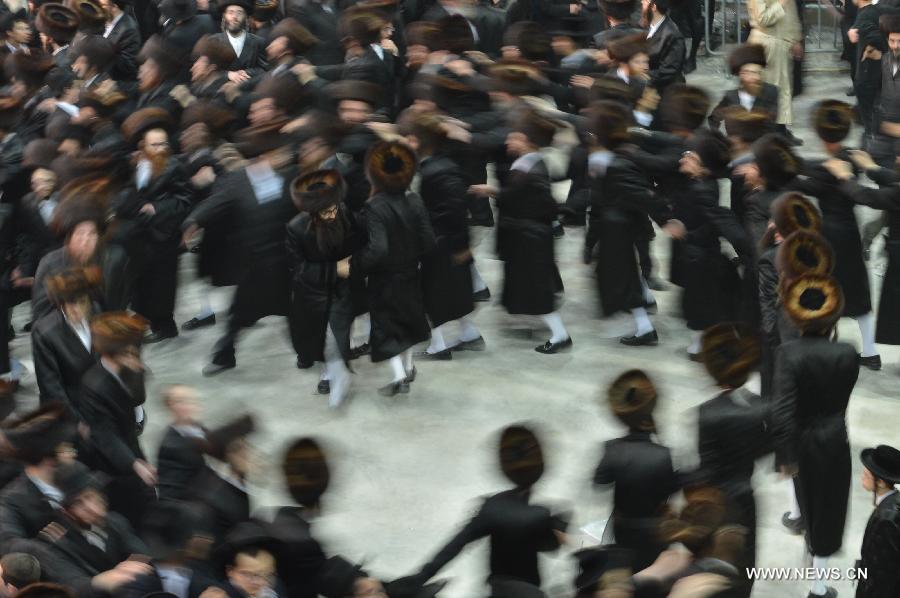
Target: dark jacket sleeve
{"type": "Point", "coordinates": [215, 207]}
{"type": "Point", "coordinates": [46, 368]}
{"type": "Point", "coordinates": [604, 473]}
{"type": "Point", "coordinates": [105, 434]}
{"type": "Point", "coordinates": [784, 408]}
{"type": "Point", "coordinates": [768, 295]}
{"type": "Point", "coordinates": [672, 64]}
{"type": "Point", "coordinates": [127, 48]}
{"type": "Point", "coordinates": [370, 256]}
{"type": "Point", "coordinates": [474, 530]}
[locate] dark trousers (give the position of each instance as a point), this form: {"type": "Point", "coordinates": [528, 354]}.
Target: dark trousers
{"type": "Point", "coordinates": [865, 102]}
{"type": "Point", "coordinates": [643, 250]}
{"type": "Point", "coordinates": [156, 285]}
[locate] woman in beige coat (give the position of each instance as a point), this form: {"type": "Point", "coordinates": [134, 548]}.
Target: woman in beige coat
{"type": "Point", "coordinates": [777, 28]}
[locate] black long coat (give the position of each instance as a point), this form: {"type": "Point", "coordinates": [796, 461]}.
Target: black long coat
{"type": "Point", "coordinates": [518, 532]}
{"type": "Point", "coordinates": [399, 235]}
{"type": "Point", "coordinates": [733, 433]}
{"type": "Point", "coordinates": [525, 242]}
{"type": "Point", "coordinates": [108, 409]}
{"type": "Point", "coordinates": [713, 290]}
{"type": "Point", "coordinates": [880, 551]}
{"type": "Point", "coordinates": [60, 360]}
{"type": "Point", "coordinates": [179, 464]}
{"type": "Point", "coordinates": [887, 330]}
{"type": "Point", "coordinates": [253, 54]}
{"type": "Point", "coordinates": [224, 504]}
{"type": "Point", "coordinates": [318, 297]}
{"type": "Point", "coordinates": [73, 561]}
{"type": "Point", "coordinates": [621, 200]}
{"type": "Point", "coordinates": [841, 229]}
{"type": "Point", "coordinates": [446, 285]}
{"type": "Point", "coordinates": [813, 381]}
{"type": "Point", "coordinates": [24, 512]}
{"type": "Point", "coordinates": [257, 232]}
{"type": "Point", "coordinates": [667, 55]}
{"type": "Point", "coordinates": [127, 38]}
{"type": "Point", "coordinates": [644, 479]}
{"type": "Point", "coordinates": [324, 25]}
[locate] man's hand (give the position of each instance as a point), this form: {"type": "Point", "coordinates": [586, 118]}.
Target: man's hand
{"type": "Point", "coordinates": [238, 76]}
{"type": "Point", "coordinates": [212, 592]}
{"type": "Point", "coordinates": [189, 233]}
{"type": "Point", "coordinates": [839, 169]}
{"type": "Point", "coordinates": [582, 81]}
{"type": "Point", "coordinates": [461, 68]}
{"type": "Point", "coordinates": [675, 229]}
{"type": "Point", "coordinates": [145, 471]}
{"type": "Point", "coordinates": [575, 9]}
{"type": "Point", "coordinates": [48, 105]}
{"type": "Point", "coordinates": [797, 50]}
{"type": "Point", "coordinates": [390, 46]}
{"type": "Point", "coordinates": [862, 160]}
{"type": "Point", "coordinates": [204, 177]}
{"type": "Point", "coordinates": [148, 209]}
{"type": "Point", "coordinates": [788, 471]}
{"type": "Point", "coordinates": [483, 190]}
{"type": "Point", "coordinates": [649, 101]}
{"type": "Point", "coordinates": [304, 71]}
{"type": "Point", "coordinates": [53, 532]}
{"type": "Point", "coordinates": [890, 129]}
{"type": "Point", "coordinates": [463, 257]}
{"type": "Point", "coordinates": [853, 35]}
{"type": "Point", "coordinates": [871, 53]}
{"type": "Point", "coordinates": [343, 268]}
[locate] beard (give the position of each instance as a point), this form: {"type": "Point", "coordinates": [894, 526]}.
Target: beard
{"type": "Point", "coordinates": [330, 235]}
{"type": "Point", "coordinates": [158, 163]}
{"type": "Point", "coordinates": [236, 27]}
{"type": "Point", "coordinates": [647, 17]}
{"type": "Point", "coordinates": [753, 88]}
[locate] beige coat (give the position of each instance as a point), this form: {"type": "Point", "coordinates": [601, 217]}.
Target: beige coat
{"type": "Point", "coordinates": [777, 28]}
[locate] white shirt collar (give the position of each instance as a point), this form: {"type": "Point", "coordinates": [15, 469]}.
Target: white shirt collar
{"type": "Point", "coordinates": [82, 330]}
{"type": "Point", "coordinates": [881, 498]}
{"type": "Point", "coordinates": [60, 49]}
{"type": "Point", "coordinates": [112, 24]}
{"type": "Point", "coordinates": [378, 50]}
{"type": "Point", "coordinates": [746, 99]}
{"type": "Point", "coordinates": [50, 492]}
{"type": "Point", "coordinates": [143, 173]}
{"type": "Point", "coordinates": [599, 161]}
{"type": "Point", "coordinates": [237, 42]}
{"type": "Point", "coordinates": [526, 162]}
{"type": "Point", "coordinates": [175, 580]}
{"type": "Point", "coordinates": [655, 27]}
{"type": "Point", "coordinates": [621, 74]}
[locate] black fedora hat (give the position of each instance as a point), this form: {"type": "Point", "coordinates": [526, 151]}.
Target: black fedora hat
{"type": "Point", "coordinates": [883, 461]}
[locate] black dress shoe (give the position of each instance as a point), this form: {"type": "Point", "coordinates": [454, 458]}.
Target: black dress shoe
{"type": "Point", "coordinates": [655, 283]}
{"type": "Point", "coordinates": [213, 369]}
{"type": "Point", "coordinates": [690, 66]}
{"type": "Point", "coordinates": [357, 352]}
{"type": "Point", "coordinates": [394, 388]}
{"type": "Point", "coordinates": [477, 344]}
{"type": "Point", "coordinates": [850, 92]}
{"type": "Point", "coordinates": [792, 139]}
{"type": "Point", "coordinates": [651, 308]}
{"type": "Point", "coordinates": [195, 323]}
{"type": "Point", "coordinates": [697, 357]}
{"type": "Point", "coordinates": [873, 362]}
{"type": "Point", "coordinates": [304, 365]}
{"type": "Point", "coordinates": [482, 295]}
{"type": "Point", "coordinates": [648, 339]}
{"type": "Point", "coordinates": [324, 387]}
{"type": "Point", "coordinates": [795, 526]}
{"type": "Point", "coordinates": [444, 355]}
{"type": "Point", "coordinates": [157, 336]}
{"type": "Point", "coordinates": [411, 376]}
{"type": "Point", "coordinates": [549, 348]}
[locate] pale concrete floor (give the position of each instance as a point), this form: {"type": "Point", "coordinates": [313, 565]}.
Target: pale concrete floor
{"type": "Point", "coordinates": [408, 472]}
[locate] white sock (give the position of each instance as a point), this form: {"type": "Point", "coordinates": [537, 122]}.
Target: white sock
{"type": "Point", "coordinates": [324, 375]}
{"type": "Point", "coordinates": [408, 361]}
{"type": "Point", "coordinates": [468, 331]}
{"type": "Point", "coordinates": [339, 376]}
{"type": "Point", "coordinates": [397, 368]}
{"type": "Point", "coordinates": [437, 341]}
{"type": "Point", "coordinates": [206, 308]}
{"type": "Point", "coordinates": [867, 332]}
{"type": "Point", "coordinates": [819, 588]}
{"type": "Point", "coordinates": [695, 347]}
{"type": "Point", "coordinates": [648, 295]}
{"type": "Point", "coordinates": [558, 331]}
{"type": "Point", "coordinates": [795, 504]}
{"type": "Point", "coordinates": [364, 323]}
{"type": "Point", "coordinates": [642, 322]}
{"type": "Point", "coordinates": [478, 283]}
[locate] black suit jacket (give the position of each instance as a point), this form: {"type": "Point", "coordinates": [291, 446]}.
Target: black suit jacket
{"type": "Point", "coordinates": [367, 67]}
{"type": "Point", "coordinates": [170, 195]}
{"type": "Point", "coordinates": [60, 360]}
{"type": "Point", "coordinates": [109, 411]}
{"type": "Point", "coordinates": [182, 36]}
{"type": "Point", "coordinates": [323, 23]}
{"type": "Point", "coordinates": [766, 101]}
{"type": "Point", "coordinates": [160, 97]}
{"type": "Point", "coordinates": [148, 584]}
{"type": "Point", "coordinates": [517, 531]}
{"type": "Point", "coordinates": [667, 54]}
{"type": "Point", "coordinates": [24, 512]}
{"type": "Point", "coordinates": [880, 551]}
{"type": "Point", "coordinates": [253, 54]}
{"type": "Point", "coordinates": [127, 38]}
{"type": "Point", "coordinates": [180, 464]}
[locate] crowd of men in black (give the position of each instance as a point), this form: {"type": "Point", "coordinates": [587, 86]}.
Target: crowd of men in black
{"type": "Point", "coordinates": [329, 161]}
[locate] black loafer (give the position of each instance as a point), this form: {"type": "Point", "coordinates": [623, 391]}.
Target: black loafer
{"type": "Point", "coordinates": [649, 339]}
{"type": "Point", "coordinates": [195, 323]}
{"type": "Point", "coordinates": [157, 336]}
{"type": "Point", "coordinates": [477, 344]}
{"type": "Point", "coordinates": [357, 352]}
{"type": "Point", "coordinates": [304, 365]}
{"type": "Point", "coordinates": [214, 369]}
{"type": "Point", "coordinates": [873, 362]}
{"type": "Point", "coordinates": [394, 388]}
{"type": "Point", "coordinates": [549, 348]}
{"type": "Point", "coordinates": [696, 357]}
{"type": "Point", "coordinates": [481, 296]}
{"type": "Point", "coordinates": [324, 387]}
{"type": "Point", "coordinates": [411, 376]}
{"type": "Point", "coordinates": [444, 355]}
{"type": "Point", "coordinates": [651, 308]}
{"type": "Point", "coordinates": [795, 526]}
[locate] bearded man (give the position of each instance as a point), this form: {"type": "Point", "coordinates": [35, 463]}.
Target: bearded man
{"type": "Point", "coordinates": [151, 211]}
{"type": "Point", "coordinates": [249, 49]}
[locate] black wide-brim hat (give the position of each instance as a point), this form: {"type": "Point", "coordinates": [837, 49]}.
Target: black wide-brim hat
{"type": "Point", "coordinates": [318, 190]}
{"type": "Point", "coordinates": [252, 534]}
{"type": "Point", "coordinates": [144, 120]}
{"type": "Point", "coordinates": [168, 528]}
{"type": "Point", "coordinates": [744, 55]}
{"type": "Point", "coordinates": [73, 479]}
{"type": "Point", "coordinates": [306, 472]}
{"type": "Point", "coordinates": [219, 439]}
{"type": "Point", "coordinates": [247, 5]}
{"type": "Point", "coordinates": [832, 120]}
{"type": "Point", "coordinates": [57, 21]}
{"type": "Point", "coordinates": [38, 434]}
{"type": "Point", "coordinates": [883, 461]}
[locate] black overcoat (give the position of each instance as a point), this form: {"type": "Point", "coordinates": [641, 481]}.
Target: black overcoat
{"type": "Point", "coordinates": [60, 360]}
{"type": "Point", "coordinates": [446, 284]}
{"type": "Point", "coordinates": [813, 381]}
{"type": "Point", "coordinates": [880, 551]}
{"type": "Point", "coordinates": [24, 512]}
{"type": "Point", "coordinates": [399, 235]}
{"type": "Point", "coordinates": [525, 242]}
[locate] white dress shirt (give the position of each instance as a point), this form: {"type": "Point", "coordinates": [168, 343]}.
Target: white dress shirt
{"type": "Point", "coordinates": [50, 492]}
{"type": "Point", "coordinates": [82, 330]}
{"type": "Point", "coordinates": [175, 580]}
{"type": "Point", "coordinates": [143, 173]}
{"type": "Point", "coordinates": [654, 27]}
{"type": "Point", "coordinates": [378, 50]}
{"type": "Point", "coordinates": [599, 161]}
{"type": "Point", "coordinates": [746, 99]}
{"type": "Point", "coordinates": [881, 498]}
{"type": "Point", "coordinates": [267, 184]}
{"type": "Point", "coordinates": [237, 42]}
{"type": "Point", "coordinates": [526, 163]}
{"type": "Point", "coordinates": [112, 24]}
